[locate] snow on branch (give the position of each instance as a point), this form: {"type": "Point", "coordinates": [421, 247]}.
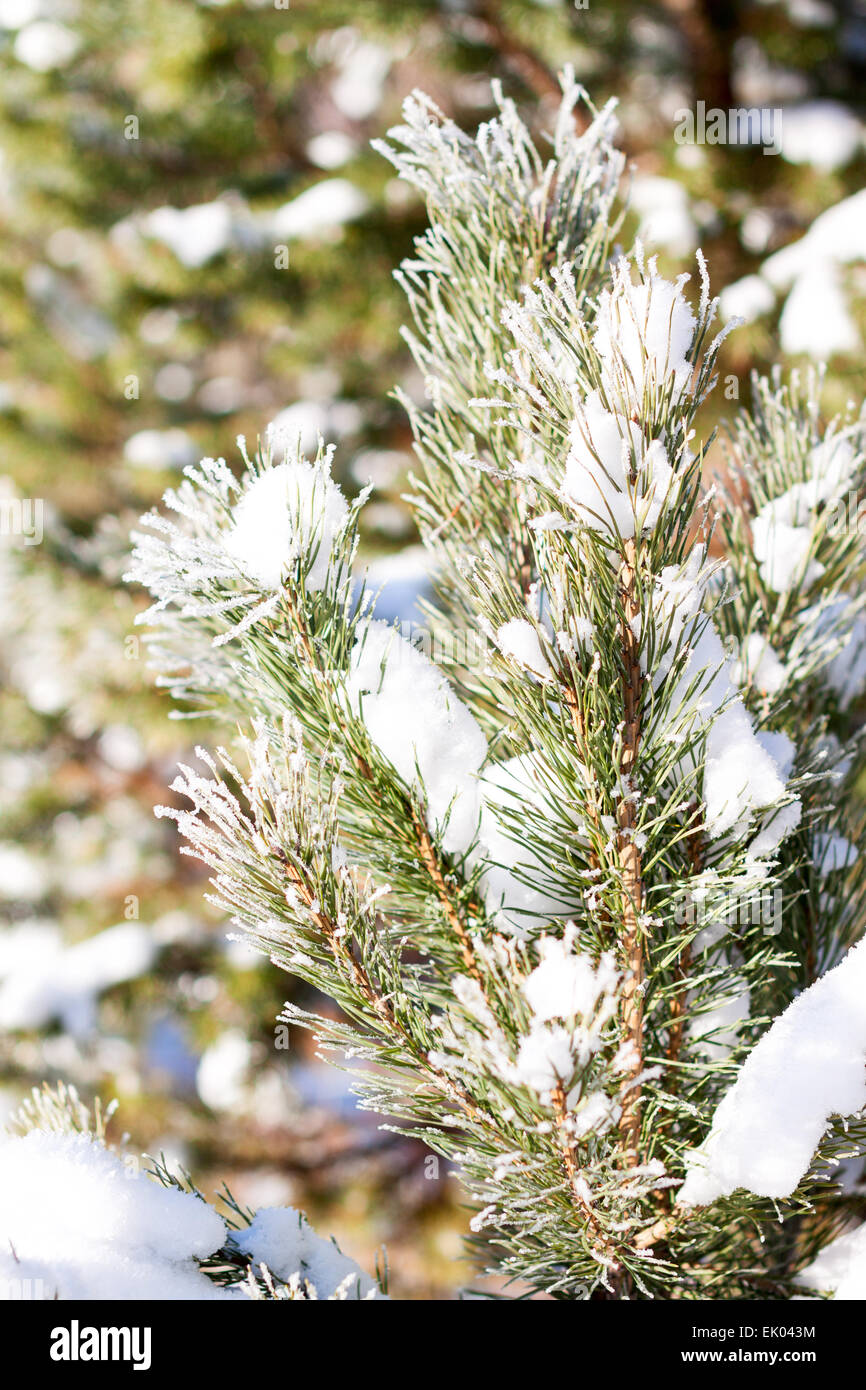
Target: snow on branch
{"type": "Point", "coordinates": [80, 1220]}
{"type": "Point", "coordinates": [809, 1067]}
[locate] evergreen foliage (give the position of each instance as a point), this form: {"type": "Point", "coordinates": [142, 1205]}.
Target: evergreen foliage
{"type": "Point", "coordinates": [537, 890]}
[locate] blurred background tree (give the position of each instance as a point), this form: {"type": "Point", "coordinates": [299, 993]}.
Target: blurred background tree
{"type": "Point", "coordinates": [197, 239]}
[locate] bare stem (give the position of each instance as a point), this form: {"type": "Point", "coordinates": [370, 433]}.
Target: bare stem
{"type": "Point", "coordinates": [367, 989]}
{"type": "Point", "coordinates": [578, 1189]}
{"type": "Point", "coordinates": [631, 869]}
{"type": "Point", "coordinates": [431, 863]}
{"type": "Point", "coordinates": [426, 849]}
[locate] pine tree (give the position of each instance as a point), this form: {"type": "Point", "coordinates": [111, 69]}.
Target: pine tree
{"type": "Point", "coordinates": [559, 895]}
{"type": "Point", "coordinates": [149, 310]}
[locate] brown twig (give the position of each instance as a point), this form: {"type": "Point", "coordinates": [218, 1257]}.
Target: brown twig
{"type": "Point", "coordinates": [629, 854]}
{"type": "Point", "coordinates": [426, 849]}
{"type": "Point", "coordinates": [659, 1230]}
{"type": "Point", "coordinates": [341, 954]}
{"type": "Point", "coordinates": [566, 1144]}
{"type": "Point", "coordinates": [368, 991]}
{"type": "Point", "coordinates": [678, 1013]}
{"type": "Point", "coordinates": [560, 1109]}
{"type": "Point", "coordinates": [385, 1014]}
{"type": "Point", "coordinates": [431, 863]}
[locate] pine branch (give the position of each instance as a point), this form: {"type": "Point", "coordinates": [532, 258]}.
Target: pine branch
{"type": "Point", "coordinates": [629, 855]}
{"type": "Point", "coordinates": [486, 873]}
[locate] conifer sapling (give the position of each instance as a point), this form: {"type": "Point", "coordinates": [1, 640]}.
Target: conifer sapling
{"type": "Point", "coordinates": [537, 886]}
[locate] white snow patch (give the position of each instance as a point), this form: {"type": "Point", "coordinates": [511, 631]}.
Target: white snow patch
{"type": "Point", "coordinates": [809, 1066]}
{"type": "Point", "coordinates": [741, 776]}
{"type": "Point", "coordinates": [646, 328]}
{"type": "Point", "coordinates": [319, 211]}
{"type": "Point", "coordinates": [196, 234]}
{"type": "Point", "coordinates": [784, 528]}
{"type": "Point", "coordinates": [357, 89]}
{"type": "Point", "coordinates": [172, 448]}
{"type": "Point", "coordinates": [545, 1058]}
{"type": "Point", "coordinates": [22, 876]}
{"type": "Point", "coordinates": [715, 1032]}
{"type": "Point", "coordinates": [845, 633]}
{"type": "Point", "coordinates": [518, 639]}
{"type": "Point", "coordinates": [604, 450]}
{"type": "Point", "coordinates": [45, 45]}
{"type": "Point", "coordinates": [759, 665]}
{"type": "Point", "coordinates": [665, 216]}
{"type": "Point", "coordinates": [89, 1226]}
{"type": "Point", "coordinates": [224, 1072]}
{"type": "Point", "coordinates": [816, 318]}
{"type": "Point", "coordinates": [45, 979]}
{"type": "Point", "coordinates": [840, 1268]}
{"type": "Point", "coordinates": [565, 983]}
{"type": "Point", "coordinates": [417, 722]}
{"type": "Point", "coordinates": [14, 14]}
{"type": "Point", "coordinates": [746, 299]}
{"type": "Point", "coordinates": [282, 1239]}
{"type": "Point", "coordinates": [331, 148]}
{"type": "Point", "coordinates": [517, 884]}
{"type": "Point", "coordinates": [287, 512]}
{"type": "Point", "coordinates": [825, 134]}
